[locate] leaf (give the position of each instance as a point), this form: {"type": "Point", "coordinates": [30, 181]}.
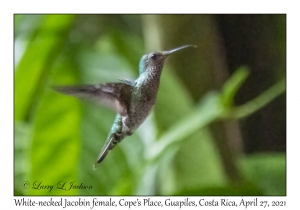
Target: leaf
{"type": "Point", "coordinates": [267, 171]}
{"type": "Point", "coordinates": [52, 148]}
{"type": "Point", "coordinates": [21, 164]}
{"type": "Point", "coordinates": [231, 87]}
{"type": "Point", "coordinates": [37, 60]}
{"type": "Point", "coordinates": [205, 113]}
{"type": "Point", "coordinates": [56, 141]}
{"type": "Point", "coordinates": [257, 103]}
{"type": "Point", "coordinates": [55, 146]}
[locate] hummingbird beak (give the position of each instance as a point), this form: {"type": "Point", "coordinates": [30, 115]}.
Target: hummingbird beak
{"type": "Point", "coordinates": [166, 53]}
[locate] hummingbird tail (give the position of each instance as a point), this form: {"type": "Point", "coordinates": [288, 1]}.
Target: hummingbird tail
{"type": "Point", "coordinates": [103, 155]}
{"type": "Point", "coordinates": [101, 158]}
{"type": "Point", "coordinates": [114, 139]}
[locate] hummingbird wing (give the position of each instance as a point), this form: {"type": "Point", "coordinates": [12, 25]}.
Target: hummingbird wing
{"type": "Point", "coordinates": [115, 96]}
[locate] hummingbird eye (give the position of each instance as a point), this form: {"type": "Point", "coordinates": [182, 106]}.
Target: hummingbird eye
{"type": "Point", "coordinates": [153, 56]}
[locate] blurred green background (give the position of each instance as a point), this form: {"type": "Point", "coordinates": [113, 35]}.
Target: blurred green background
{"type": "Point", "coordinates": [218, 127]}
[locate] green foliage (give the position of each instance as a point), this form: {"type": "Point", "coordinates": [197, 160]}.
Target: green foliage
{"type": "Point", "coordinates": [266, 171]}
{"type": "Point", "coordinates": [45, 44]}
{"type": "Point", "coordinates": [59, 163]}
{"type": "Point", "coordinates": [231, 87]}
{"type": "Point", "coordinates": [22, 142]}
{"type": "Point", "coordinates": [57, 137]}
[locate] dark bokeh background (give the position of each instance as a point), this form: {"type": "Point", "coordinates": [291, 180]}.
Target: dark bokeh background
{"type": "Point", "coordinates": [259, 41]}
{"type": "Point", "coordinates": [219, 125]}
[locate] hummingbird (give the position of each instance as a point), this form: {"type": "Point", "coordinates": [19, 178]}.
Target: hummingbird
{"type": "Point", "coordinates": [131, 100]}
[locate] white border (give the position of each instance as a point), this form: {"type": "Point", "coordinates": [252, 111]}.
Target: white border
{"type": "Point", "coordinates": [153, 7]}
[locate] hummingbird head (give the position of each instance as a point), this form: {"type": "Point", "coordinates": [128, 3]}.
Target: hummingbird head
{"type": "Point", "coordinates": [154, 61]}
